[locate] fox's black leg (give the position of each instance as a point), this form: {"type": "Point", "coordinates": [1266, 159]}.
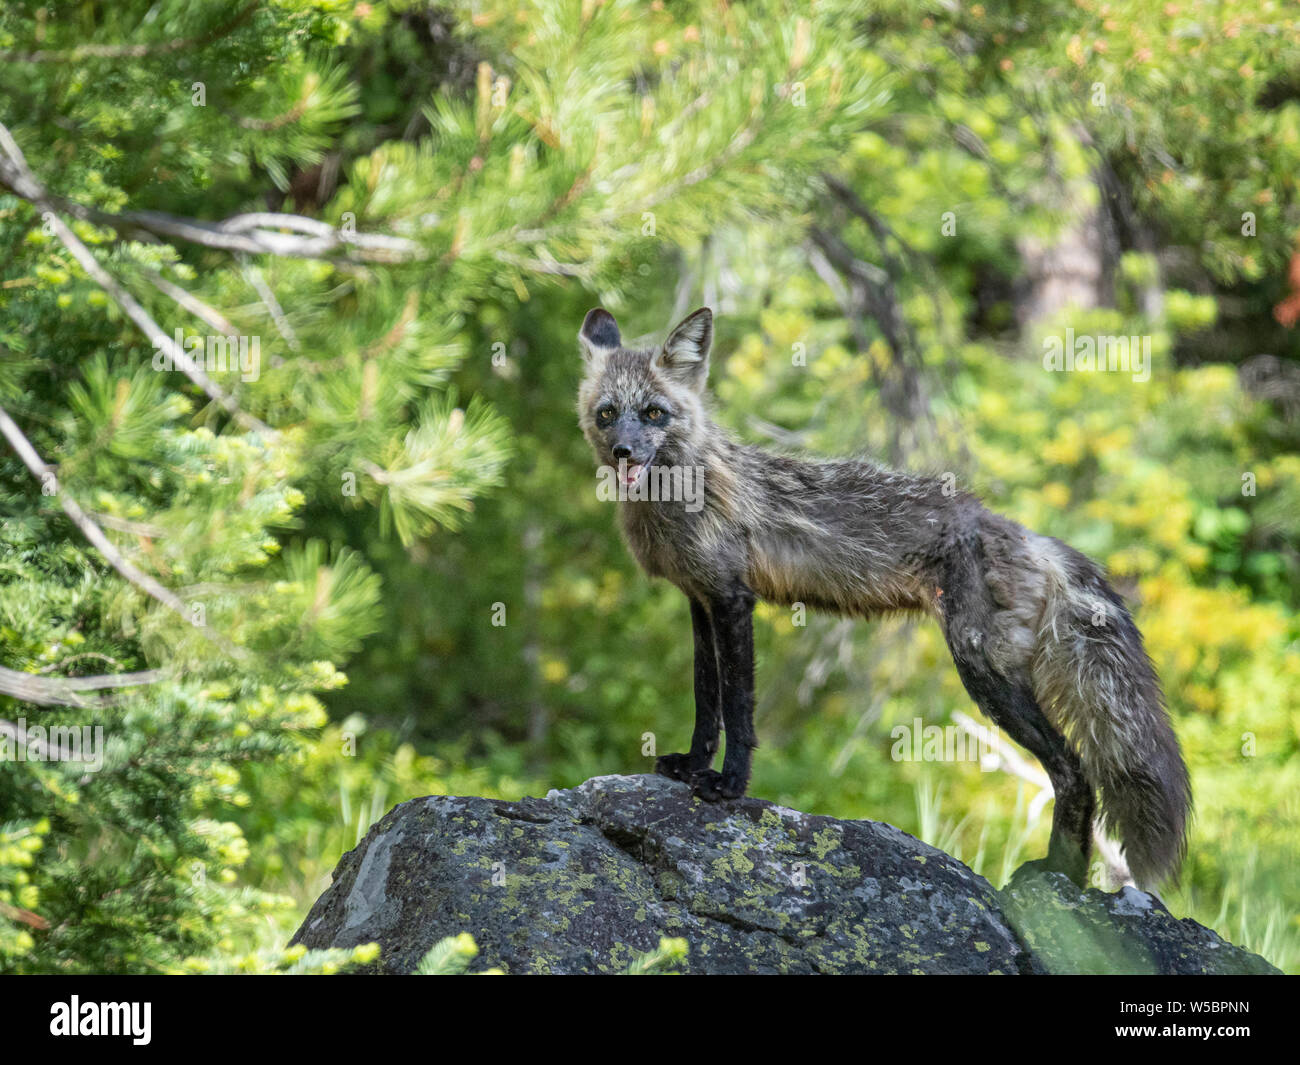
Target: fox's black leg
{"type": "Point", "coordinates": [708, 717]}
{"type": "Point", "coordinates": [732, 614]}
{"type": "Point", "coordinates": [1012, 706]}
{"type": "Point", "coordinates": [1010, 702]}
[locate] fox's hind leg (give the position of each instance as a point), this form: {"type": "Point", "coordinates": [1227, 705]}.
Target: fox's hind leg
{"type": "Point", "coordinates": [1012, 706]}
{"type": "Point", "coordinates": [708, 715]}
{"type": "Point", "coordinates": [1010, 702]}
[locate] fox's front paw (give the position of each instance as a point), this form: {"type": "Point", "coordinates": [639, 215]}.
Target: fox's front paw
{"type": "Point", "coordinates": [710, 785]}
{"type": "Point", "coordinates": [675, 766]}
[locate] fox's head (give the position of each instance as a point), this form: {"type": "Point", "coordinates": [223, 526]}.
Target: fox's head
{"type": "Point", "coordinates": [644, 407]}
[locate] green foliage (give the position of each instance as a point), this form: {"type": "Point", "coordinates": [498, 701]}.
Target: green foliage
{"type": "Point", "coordinates": [291, 961]}
{"type": "Point", "coordinates": [449, 957]}
{"type": "Point", "coordinates": [452, 957]}
{"type": "Point", "coordinates": [663, 958]}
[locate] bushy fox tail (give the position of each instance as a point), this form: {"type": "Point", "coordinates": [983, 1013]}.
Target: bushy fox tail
{"type": "Point", "coordinates": [1094, 680]}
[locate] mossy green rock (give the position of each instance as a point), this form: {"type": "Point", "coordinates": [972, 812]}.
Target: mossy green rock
{"type": "Point", "coordinates": [585, 879]}
{"type": "Point", "coordinates": [1093, 932]}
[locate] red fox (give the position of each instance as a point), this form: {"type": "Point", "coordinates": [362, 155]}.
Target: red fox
{"type": "Point", "coordinates": [1042, 642]}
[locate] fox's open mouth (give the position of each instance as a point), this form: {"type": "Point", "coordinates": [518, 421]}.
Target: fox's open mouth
{"type": "Point", "coordinates": [629, 472]}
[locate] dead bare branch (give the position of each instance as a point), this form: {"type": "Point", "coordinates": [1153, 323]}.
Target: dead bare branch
{"type": "Point", "coordinates": [66, 691]}
{"type": "Point", "coordinates": [267, 296]}
{"type": "Point", "coordinates": [191, 303]}
{"type": "Point", "coordinates": [255, 233]}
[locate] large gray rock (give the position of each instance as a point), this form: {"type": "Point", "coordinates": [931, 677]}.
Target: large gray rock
{"type": "Point", "coordinates": [584, 880]}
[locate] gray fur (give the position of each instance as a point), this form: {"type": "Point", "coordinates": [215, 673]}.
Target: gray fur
{"type": "Point", "coordinates": [854, 538]}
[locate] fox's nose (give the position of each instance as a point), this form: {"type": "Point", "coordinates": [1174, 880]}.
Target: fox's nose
{"type": "Point", "coordinates": [622, 451]}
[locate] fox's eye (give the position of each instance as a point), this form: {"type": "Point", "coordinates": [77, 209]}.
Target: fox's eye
{"type": "Point", "coordinates": [605, 416]}
{"type": "Point", "coordinates": [654, 414]}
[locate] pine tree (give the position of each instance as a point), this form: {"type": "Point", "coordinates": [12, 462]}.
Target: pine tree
{"type": "Point", "coordinates": [204, 346]}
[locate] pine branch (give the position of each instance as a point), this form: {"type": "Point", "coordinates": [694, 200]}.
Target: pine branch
{"type": "Point", "coordinates": [254, 233]}
{"type": "Point", "coordinates": [151, 587]}
{"type": "Point", "coordinates": [258, 234]}
{"type": "Point", "coordinates": [15, 173]}
{"type": "Point", "coordinates": [547, 266]}
{"type": "Point", "coordinates": [133, 51]}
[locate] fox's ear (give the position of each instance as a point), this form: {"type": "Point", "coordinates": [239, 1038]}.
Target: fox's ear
{"type": "Point", "coordinates": [599, 334]}
{"type": "Point", "coordinates": [685, 355]}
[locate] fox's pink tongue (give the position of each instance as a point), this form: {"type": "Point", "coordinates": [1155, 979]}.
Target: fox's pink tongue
{"type": "Point", "coordinates": [633, 472]}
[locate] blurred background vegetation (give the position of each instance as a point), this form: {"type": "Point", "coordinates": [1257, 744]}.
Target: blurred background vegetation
{"type": "Point", "coordinates": [888, 206]}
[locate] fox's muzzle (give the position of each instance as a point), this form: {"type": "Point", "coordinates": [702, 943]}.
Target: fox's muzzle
{"type": "Point", "coordinates": [628, 440]}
